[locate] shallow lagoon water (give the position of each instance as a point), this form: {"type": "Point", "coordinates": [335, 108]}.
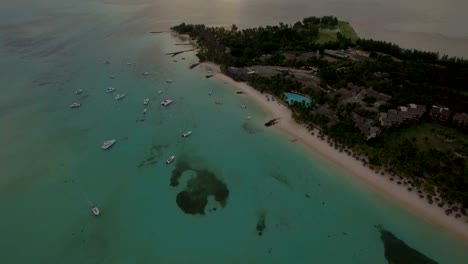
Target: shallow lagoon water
{"type": "Point", "coordinates": [52, 167]}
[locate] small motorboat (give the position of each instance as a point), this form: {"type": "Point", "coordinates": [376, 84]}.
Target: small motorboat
{"type": "Point", "coordinates": [129, 63]}
{"type": "Point", "coordinates": [107, 144]}
{"type": "Point", "coordinates": [219, 102]}
{"type": "Point", "coordinates": [170, 159]}
{"type": "Point", "coordinates": [110, 89]}
{"type": "Point", "coordinates": [75, 105]}
{"type": "Point", "coordinates": [146, 101]}
{"type": "Point", "coordinates": [95, 211]}
{"type": "Point", "coordinates": [119, 96]}
{"type": "Point", "coordinates": [169, 81]}
{"type": "Point", "coordinates": [186, 134]}
{"type": "Point", "coordinates": [78, 91]}
{"type": "Point", "coordinates": [210, 72]}
{"type": "Point", "coordinates": [249, 117]}
{"type": "Point", "coordinates": [145, 73]}
{"type": "Point", "coordinates": [160, 92]}
{"type": "Point", "coordinates": [166, 102]}
{"type": "Point", "coordinates": [145, 110]}
{"type": "Point", "coordinates": [111, 77]}
{"type": "Point", "coordinates": [210, 92]}
{"type": "Point", "coordinates": [243, 106]}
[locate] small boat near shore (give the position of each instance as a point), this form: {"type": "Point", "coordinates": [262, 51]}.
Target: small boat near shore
{"type": "Point", "coordinates": [186, 134]}
{"type": "Point", "coordinates": [210, 92]}
{"type": "Point", "coordinates": [78, 91]}
{"type": "Point", "coordinates": [95, 211]}
{"type": "Point", "coordinates": [119, 96]}
{"type": "Point", "coordinates": [166, 102]}
{"type": "Point", "coordinates": [75, 105]}
{"type": "Point", "coordinates": [243, 106]}
{"type": "Point", "coordinates": [146, 101]}
{"type": "Point", "coordinates": [170, 159]}
{"type": "Point", "coordinates": [160, 92]}
{"type": "Point", "coordinates": [107, 144]}
{"type": "Point", "coordinates": [219, 102]}
{"type": "Point", "coordinates": [145, 110]}
{"type": "Point", "coordinates": [110, 89]}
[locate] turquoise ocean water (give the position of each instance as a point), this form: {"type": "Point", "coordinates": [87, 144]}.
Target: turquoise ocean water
{"type": "Point", "coordinates": [52, 167]}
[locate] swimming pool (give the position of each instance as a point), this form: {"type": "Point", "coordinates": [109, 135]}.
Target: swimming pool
{"type": "Point", "coordinates": [291, 97]}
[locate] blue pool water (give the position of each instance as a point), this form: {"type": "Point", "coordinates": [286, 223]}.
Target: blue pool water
{"type": "Point", "coordinates": [291, 97]}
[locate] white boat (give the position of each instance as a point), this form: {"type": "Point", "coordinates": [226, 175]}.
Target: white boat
{"type": "Point", "coordinates": [169, 81]}
{"type": "Point", "coordinates": [110, 89]}
{"type": "Point", "coordinates": [145, 73]}
{"type": "Point", "coordinates": [166, 102]}
{"type": "Point", "coordinates": [160, 92]}
{"type": "Point", "coordinates": [170, 159]}
{"type": "Point", "coordinates": [108, 143]}
{"type": "Point", "coordinates": [218, 102]}
{"type": "Point", "coordinates": [145, 110]}
{"type": "Point", "coordinates": [210, 72]}
{"type": "Point", "coordinates": [210, 93]}
{"type": "Point", "coordinates": [95, 211]}
{"type": "Point", "coordinates": [146, 101]}
{"type": "Point", "coordinates": [243, 106]}
{"type": "Point", "coordinates": [119, 96]}
{"type": "Point", "coordinates": [249, 117]}
{"type": "Point", "coordinates": [111, 77]}
{"type": "Point", "coordinates": [78, 91]}
{"type": "Point", "coordinates": [186, 134]}
{"type": "Point", "coordinates": [75, 105]}
{"type": "Point", "coordinates": [129, 63]}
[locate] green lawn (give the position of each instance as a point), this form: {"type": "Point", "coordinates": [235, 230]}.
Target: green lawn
{"type": "Point", "coordinates": [427, 135]}
{"type": "Point", "coordinates": [345, 29]}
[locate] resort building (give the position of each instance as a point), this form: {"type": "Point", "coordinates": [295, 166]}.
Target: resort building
{"type": "Point", "coordinates": [404, 114]}
{"type": "Point", "coordinates": [441, 113]}
{"type": "Point", "coordinates": [461, 119]}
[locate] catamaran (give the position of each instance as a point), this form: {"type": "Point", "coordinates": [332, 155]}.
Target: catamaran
{"type": "Point", "coordinates": [166, 102]}
{"type": "Point", "coordinates": [108, 143]}
{"type": "Point", "coordinates": [146, 101]}
{"type": "Point", "coordinates": [119, 96]}
{"type": "Point", "coordinates": [95, 211]}
{"type": "Point", "coordinates": [170, 159]}
{"type": "Point", "coordinates": [75, 105]}
{"type": "Point", "coordinates": [78, 91]}
{"type": "Point", "coordinates": [186, 134]}
{"type": "Point", "coordinates": [110, 89]}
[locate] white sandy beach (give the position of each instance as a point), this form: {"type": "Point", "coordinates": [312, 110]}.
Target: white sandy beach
{"type": "Point", "coordinates": [381, 184]}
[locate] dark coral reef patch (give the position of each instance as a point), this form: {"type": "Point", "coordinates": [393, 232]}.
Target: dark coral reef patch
{"type": "Point", "coordinates": [194, 198]}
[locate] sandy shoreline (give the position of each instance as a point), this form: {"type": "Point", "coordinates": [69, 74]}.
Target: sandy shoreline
{"type": "Point", "coordinates": [381, 184]}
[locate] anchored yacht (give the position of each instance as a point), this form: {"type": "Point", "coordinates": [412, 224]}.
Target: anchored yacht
{"type": "Point", "coordinates": [119, 96]}
{"type": "Point", "coordinates": [75, 105]}
{"type": "Point", "coordinates": [108, 143]}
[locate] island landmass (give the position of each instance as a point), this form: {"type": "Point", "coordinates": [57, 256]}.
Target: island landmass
{"type": "Point", "coordinates": [401, 113]}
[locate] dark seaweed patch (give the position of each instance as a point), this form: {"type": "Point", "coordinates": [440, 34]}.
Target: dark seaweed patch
{"type": "Point", "coordinates": [194, 198]}
{"type": "Point", "coordinates": [250, 128]}
{"type": "Point", "coordinates": [398, 252]}
{"type": "Point", "coordinates": [261, 224]}
{"type": "Point", "coordinates": [282, 179]}
{"type": "Point", "coordinates": [155, 153]}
